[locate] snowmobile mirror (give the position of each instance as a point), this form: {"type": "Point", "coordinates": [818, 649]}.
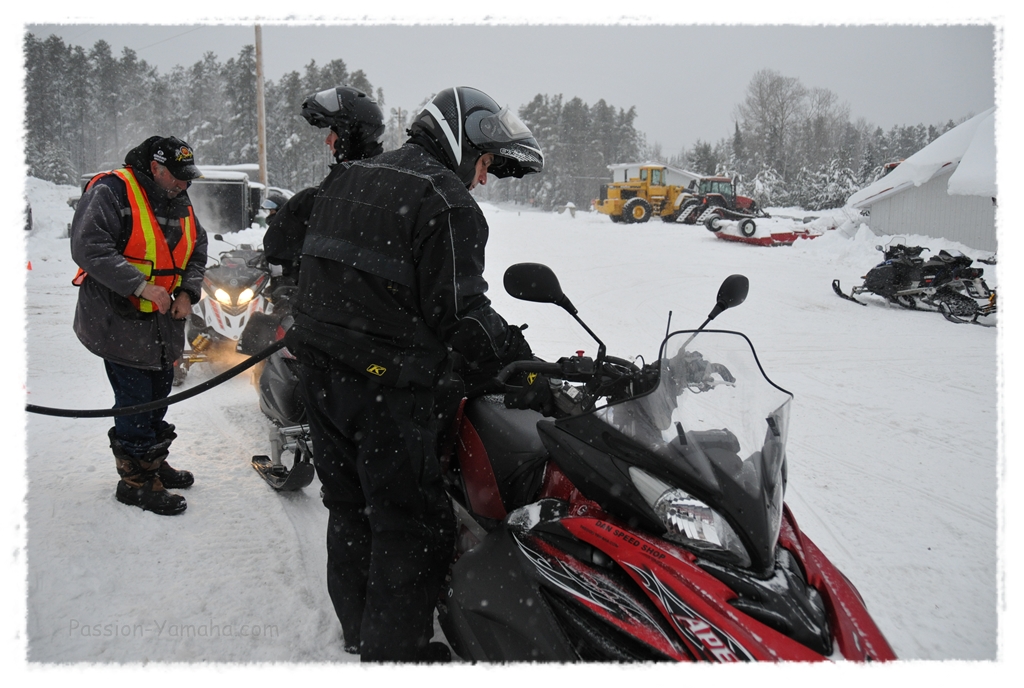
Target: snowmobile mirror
{"type": "Point", "coordinates": [732, 293]}
{"type": "Point", "coordinates": [536, 282]}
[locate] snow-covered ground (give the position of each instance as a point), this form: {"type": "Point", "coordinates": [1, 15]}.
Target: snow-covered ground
{"type": "Point", "coordinates": [894, 447]}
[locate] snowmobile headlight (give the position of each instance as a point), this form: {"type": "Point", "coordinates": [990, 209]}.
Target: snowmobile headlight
{"type": "Point", "coordinates": [222, 296]}
{"type": "Point", "coordinates": [687, 520]}
{"type": "Point", "coordinates": [245, 297]}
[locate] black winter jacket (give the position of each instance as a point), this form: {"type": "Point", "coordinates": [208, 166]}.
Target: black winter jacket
{"type": "Point", "coordinates": [392, 275]}
{"type": "Point", "coordinates": [286, 230]}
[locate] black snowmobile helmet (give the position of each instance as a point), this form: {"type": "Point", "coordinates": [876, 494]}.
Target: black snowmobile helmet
{"type": "Point", "coordinates": [274, 200]}
{"type": "Point", "coordinates": [466, 123]}
{"type": "Point", "coordinates": [351, 114]}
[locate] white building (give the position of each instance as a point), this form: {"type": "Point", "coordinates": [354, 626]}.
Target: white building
{"type": "Point", "coordinates": [947, 189]}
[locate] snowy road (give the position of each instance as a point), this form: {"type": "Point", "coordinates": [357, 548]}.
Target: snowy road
{"type": "Point", "coordinates": [893, 448]}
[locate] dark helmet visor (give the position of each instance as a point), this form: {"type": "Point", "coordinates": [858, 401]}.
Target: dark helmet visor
{"type": "Point", "coordinates": [321, 109]}
{"type": "Point", "coordinates": [483, 127]}
{"type": "Point", "coordinates": [504, 134]}
{"type": "Point", "coordinates": [328, 99]}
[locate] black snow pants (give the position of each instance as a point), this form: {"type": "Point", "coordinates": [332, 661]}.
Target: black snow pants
{"type": "Point", "coordinates": [391, 531]}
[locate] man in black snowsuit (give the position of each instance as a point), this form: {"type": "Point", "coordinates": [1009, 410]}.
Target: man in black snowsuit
{"type": "Point", "coordinates": [356, 125]}
{"type": "Point", "coordinates": [142, 256]}
{"type": "Point", "coordinates": [391, 291]}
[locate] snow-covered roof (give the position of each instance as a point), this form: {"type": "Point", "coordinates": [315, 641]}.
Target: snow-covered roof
{"type": "Point", "coordinates": [241, 167]}
{"type": "Point", "coordinates": [635, 165]}
{"type": "Point", "coordinates": [673, 175]}
{"type": "Point", "coordinates": [969, 148]}
{"type": "Point", "coordinates": [976, 173]}
{"type": "Point", "coordinates": [217, 173]}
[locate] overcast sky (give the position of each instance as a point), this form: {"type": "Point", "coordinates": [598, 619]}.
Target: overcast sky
{"type": "Point", "coordinates": [685, 81]}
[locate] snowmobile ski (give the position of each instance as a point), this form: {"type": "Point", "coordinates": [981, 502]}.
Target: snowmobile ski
{"type": "Point", "coordinates": [949, 314]}
{"type": "Point", "coordinates": [839, 291]}
{"type": "Point", "coordinates": [280, 477]}
{"type": "Point", "coordinates": [294, 441]}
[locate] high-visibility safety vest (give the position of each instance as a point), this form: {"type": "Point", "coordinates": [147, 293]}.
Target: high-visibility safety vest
{"type": "Point", "coordinates": [147, 247]}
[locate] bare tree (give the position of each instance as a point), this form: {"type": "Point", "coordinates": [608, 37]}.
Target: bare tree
{"type": "Point", "coordinates": [824, 127]}
{"type": "Point", "coordinates": [773, 106]}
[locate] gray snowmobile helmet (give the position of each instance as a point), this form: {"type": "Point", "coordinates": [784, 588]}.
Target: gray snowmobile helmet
{"type": "Point", "coordinates": [351, 114]}
{"type": "Point", "coordinates": [466, 123]}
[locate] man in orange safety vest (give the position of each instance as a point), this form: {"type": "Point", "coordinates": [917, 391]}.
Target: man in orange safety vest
{"type": "Point", "coordinates": [141, 254]}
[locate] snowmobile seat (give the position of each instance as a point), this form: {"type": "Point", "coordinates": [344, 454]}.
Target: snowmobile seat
{"type": "Point", "coordinates": [516, 453]}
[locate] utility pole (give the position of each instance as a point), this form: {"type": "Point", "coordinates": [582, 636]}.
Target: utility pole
{"type": "Point", "coordinates": [396, 136]}
{"type": "Point", "coordinates": [261, 114]}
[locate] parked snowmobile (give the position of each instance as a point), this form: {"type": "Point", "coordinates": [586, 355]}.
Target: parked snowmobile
{"type": "Point", "coordinates": [945, 282]}
{"type": "Point", "coordinates": [232, 292]}
{"type": "Point", "coordinates": [644, 520]}
{"type": "Point", "coordinates": [290, 463]}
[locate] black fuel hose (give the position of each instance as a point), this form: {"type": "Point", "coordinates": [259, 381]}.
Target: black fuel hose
{"type": "Point", "coordinates": [153, 405]}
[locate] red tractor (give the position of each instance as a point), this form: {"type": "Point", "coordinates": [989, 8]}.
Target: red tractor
{"type": "Point", "coordinates": [713, 200]}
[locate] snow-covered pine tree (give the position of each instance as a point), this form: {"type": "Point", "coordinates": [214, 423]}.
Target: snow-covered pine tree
{"type": "Point", "coordinates": [240, 143]}
{"type": "Point", "coordinates": [768, 188]}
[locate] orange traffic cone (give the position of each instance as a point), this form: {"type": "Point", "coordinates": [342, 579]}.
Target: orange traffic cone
{"type": "Point", "coordinates": [30, 265]}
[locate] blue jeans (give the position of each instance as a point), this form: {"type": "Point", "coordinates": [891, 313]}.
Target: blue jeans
{"type": "Point", "coordinates": [134, 386]}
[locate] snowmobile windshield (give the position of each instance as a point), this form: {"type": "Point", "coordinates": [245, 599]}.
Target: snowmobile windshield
{"type": "Point", "coordinates": [717, 426]}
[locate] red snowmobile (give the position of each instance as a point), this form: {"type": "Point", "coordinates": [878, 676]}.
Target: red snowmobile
{"type": "Point", "coordinates": [642, 516]}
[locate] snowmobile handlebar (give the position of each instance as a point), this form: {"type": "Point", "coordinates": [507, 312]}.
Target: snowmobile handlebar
{"type": "Point", "coordinates": [607, 377]}
{"type": "Point", "coordinates": [578, 368]}
{"type": "Point", "coordinates": [541, 367]}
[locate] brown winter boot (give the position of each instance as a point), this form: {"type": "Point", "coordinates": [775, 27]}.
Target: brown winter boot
{"type": "Point", "coordinates": [140, 483]}
{"type": "Point", "coordinates": [171, 477]}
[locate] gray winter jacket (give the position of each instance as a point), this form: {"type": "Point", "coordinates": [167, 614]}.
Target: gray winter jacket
{"type": "Point", "coordinates": [105, 320]}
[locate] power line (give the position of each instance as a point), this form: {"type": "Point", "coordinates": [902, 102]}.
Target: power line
{"type": "Point", "coordinates": [170, 38]}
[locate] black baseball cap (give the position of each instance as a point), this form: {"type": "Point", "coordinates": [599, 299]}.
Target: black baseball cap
{"type": "Point", "coordinates": [177, 157]}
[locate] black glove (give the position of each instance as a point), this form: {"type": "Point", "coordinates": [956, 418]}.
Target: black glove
{"type": "Point", "coordinates": [516, 347]}
{"type": "Point", "coordinates": [535, 393]}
